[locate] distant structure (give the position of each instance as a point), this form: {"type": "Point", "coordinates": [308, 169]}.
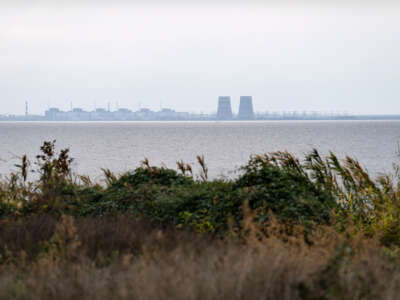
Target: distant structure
{"type": "Point", "coordinates": [224, 111]}
{"type": "Point", "coordinates": [246, 111]}
{"type": "Point", "coordinates": [122, 114]}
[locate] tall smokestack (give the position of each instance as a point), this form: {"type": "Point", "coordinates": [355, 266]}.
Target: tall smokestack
{"type": "Point", "coordinates": [224, 111]}
{"type": "Point", "coordinates": [246, 111]}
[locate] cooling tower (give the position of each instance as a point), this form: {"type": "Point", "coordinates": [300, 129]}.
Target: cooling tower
{"type": "Point", "coordinates": [224, 108]}
{"type": "Point", "coordinates": [246, 108]}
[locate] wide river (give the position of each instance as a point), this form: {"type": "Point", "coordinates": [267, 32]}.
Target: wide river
{"type": "Point", "coordinates": [120, 146]}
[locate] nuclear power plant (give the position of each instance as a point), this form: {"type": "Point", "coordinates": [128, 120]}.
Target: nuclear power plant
{"type": "Point", "coordinates": [246, 111]}
{"type": "Point", "coordinates": [224, 111]}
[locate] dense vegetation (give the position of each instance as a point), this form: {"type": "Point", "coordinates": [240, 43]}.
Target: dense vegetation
{"type": "Point", "coordinates": [320, 228]}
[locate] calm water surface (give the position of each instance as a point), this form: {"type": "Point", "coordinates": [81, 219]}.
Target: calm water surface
{"type": "Point", "coordinates": [120, 146]}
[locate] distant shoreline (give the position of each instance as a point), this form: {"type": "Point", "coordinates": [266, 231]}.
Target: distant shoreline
{"type": "Point", "coordinates": [39, 119]}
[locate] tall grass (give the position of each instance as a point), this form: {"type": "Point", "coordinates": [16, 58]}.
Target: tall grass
{"type": "Point", "coordinates": [123, 258]}
{"type": "Point", "coordinates": [316, 228]}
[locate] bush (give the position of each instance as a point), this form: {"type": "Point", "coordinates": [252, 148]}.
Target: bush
{"type": "Point", "coordinates": [308, 193]}
{"type": "Point", "coordinates": [289, 195]}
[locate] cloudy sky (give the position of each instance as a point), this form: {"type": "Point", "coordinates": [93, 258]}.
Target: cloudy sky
{"type": "Point", "coordinates": [296, 55]}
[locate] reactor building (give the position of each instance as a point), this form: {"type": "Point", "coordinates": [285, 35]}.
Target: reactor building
{"type": "Point", "coordinates": [224, 111]}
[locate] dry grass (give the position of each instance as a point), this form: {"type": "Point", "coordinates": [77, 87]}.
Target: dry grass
{"type": "Point", "coordinates": [123, 258]}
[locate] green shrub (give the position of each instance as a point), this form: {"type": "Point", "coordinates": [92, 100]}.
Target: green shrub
{"type": "Point", "coordinates": [308, 193]}
{"type": "Point", "coordinates": [288, 194]}
{"type": "Point", "coordinates": [151, 175]}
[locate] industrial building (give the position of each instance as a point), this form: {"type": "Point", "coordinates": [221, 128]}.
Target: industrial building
{"type": "Point", "coordinates": [246, 111]}
{"type": "Point", "coordinates": [224, 111]}
{"type": "Point", "coordinates": [122, 114]}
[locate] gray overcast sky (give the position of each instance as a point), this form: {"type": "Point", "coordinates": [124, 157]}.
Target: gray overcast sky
{"type": "Point", "coordinates": [296, 55]}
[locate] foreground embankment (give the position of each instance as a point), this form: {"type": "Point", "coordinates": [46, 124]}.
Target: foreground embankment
{"type": "Point", "coordinates": [316, 228]}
